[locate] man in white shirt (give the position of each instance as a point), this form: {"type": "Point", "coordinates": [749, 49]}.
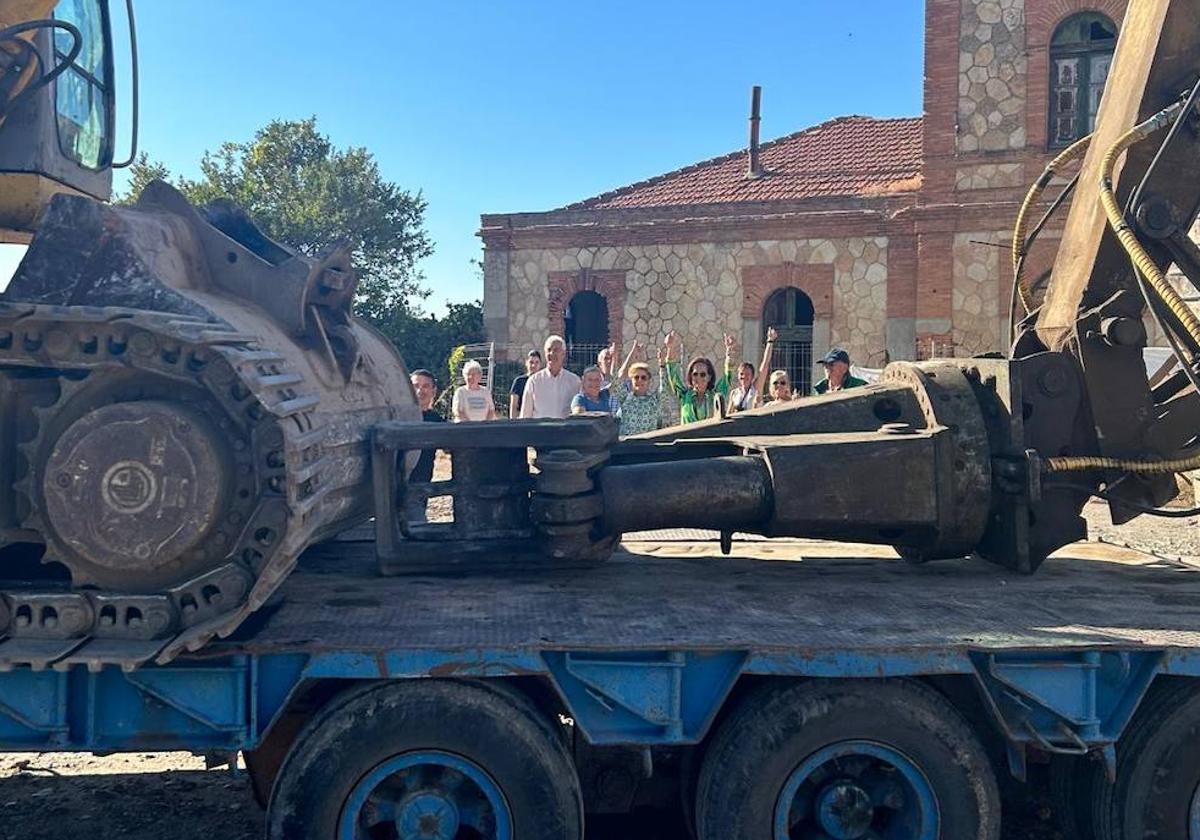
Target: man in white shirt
{"type": "Point", "coordinates": [549, 392]}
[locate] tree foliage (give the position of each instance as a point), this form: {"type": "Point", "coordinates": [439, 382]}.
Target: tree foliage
{"type": "Point", "coordinates": [306, 193]}
{"type": "Point", "coordinates": [428, 342]}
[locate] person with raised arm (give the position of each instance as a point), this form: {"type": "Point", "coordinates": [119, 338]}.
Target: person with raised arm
{"type": "Point", "coordinates": [750, 381]}
{"type": "Point", "coordinates": [639, 404]}
{"type": "Point", "coordinates": [698, 389]}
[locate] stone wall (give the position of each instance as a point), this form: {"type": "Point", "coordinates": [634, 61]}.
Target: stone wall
{"type": "Point", "coordinates": [698, 289]}
{"type": "Point", "coordinates": [992, 75]}
{"type": "Point", "coordinates": [990, 176]}
{"type": "Point", "coordinates": [980, 318]}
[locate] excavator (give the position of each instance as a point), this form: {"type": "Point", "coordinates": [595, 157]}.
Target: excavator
{"type": "Point", "coordinates": [187, 405]}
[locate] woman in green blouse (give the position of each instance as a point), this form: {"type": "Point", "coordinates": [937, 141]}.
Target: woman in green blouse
{"type": "Point", "coordinates": [697, 392]}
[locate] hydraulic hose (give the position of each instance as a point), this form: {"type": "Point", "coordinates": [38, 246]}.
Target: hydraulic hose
{"type": "Point", "coordinates": [1075, 463]}
{"type": "Point", "coordinates": [1021, 228]}
{"type": "Point", "coordinates": [1157, 280]}
{"type": "Point", "coordinates": [1129, 241]}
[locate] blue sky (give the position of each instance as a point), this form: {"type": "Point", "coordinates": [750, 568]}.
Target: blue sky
{"type": "Point", "coordinates": [499, 107]}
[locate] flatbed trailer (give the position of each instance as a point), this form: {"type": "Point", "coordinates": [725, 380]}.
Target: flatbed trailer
{"type": "Point", "coordinates": [651, 670]}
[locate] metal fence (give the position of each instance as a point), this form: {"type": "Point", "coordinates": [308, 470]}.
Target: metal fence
{"type": "Point", "coordinates": [582, 354]}
{"type": "Point", "coordinates": [797, 359]}
{"type": "Point", "coordinates": [935, 347]}
{"type": "Point", "coordinates": [485, 354]}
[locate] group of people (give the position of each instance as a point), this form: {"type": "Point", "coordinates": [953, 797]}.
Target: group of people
{"type": "Point", "coordinates": [554, 391]}
{"type": "Point", "coordinates": [750, 391]}
{"type": "Point", "coordinates": [548, 390]}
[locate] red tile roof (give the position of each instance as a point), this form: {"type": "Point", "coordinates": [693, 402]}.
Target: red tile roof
{"type": "Point", "coordinates": [846, 156]}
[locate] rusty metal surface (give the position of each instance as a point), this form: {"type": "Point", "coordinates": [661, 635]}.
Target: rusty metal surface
{"type": "Point", "coordinates": [800, 596]}
{"type": "Point", "coordinates": [186, 409]}
{"type": "Point", "coordinates": [504, 515]}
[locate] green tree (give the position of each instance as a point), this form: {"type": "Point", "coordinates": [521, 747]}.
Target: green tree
{"type": "Point", "coordinates": [142, 172]}
{"type": "Point", "coordinates": [306, 193]}
{"type": "Point", "coordinates": [427, 341]}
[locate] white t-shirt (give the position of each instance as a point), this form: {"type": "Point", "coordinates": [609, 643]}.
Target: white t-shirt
{"type": "Point", "coordinates": [475, 404]}
{"type": "Point", "coordinates": [742, 399]}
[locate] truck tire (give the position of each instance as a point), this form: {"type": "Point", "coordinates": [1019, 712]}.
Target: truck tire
{"type": "Point", "coordinates": [847, 759]}
{"type": "Point", "coordinates": [449, 758]}
{"type": "Point", "coordinates": [1072, 785]}
{"type": "Point", "coordinates": [1157, 792]}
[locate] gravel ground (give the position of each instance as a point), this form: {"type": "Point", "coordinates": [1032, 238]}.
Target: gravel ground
{"type": "Point", "coordinates": [134, 796]}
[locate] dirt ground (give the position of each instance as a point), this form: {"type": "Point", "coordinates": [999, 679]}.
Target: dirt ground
{"type": "Point", "coordinates": [150, 796]}
{"type": "Point", "coordinates": [147, 796]}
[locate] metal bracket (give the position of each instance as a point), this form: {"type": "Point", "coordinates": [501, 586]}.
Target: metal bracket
{"type": "Point", "coordinates": [1069, 703]}
{"type": "Point", "coordinates": [644, 697]}
{"type": "Point", "coordinates": [208, 705]}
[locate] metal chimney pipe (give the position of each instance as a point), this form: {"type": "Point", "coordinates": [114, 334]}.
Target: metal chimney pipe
{"type": "Point", "coordinates": [754, 169]}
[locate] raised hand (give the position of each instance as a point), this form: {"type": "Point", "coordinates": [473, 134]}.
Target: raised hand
{"type": "Point", "coordinates": [662, 356]}
{"type": "Point", "coordinates": [669, 344]}
{"type": "Point", "coordinates": [772, 334]}
{"type": "Point", "coordinates": [729, 344]}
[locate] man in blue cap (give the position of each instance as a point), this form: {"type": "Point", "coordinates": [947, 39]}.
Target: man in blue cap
{"type": "Point", "coordinates": [837, 373]}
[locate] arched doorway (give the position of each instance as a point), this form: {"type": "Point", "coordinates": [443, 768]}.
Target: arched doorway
{"type": "Point", "coordinates": [585, 327]}
{"type": "Point", "coordinates": [790, 312]}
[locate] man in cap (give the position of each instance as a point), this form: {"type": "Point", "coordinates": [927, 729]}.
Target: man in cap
{"type": "Point", "coordinates": [837, 373]}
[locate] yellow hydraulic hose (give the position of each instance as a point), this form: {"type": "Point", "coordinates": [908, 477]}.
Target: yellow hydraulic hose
{"type": "Point", "coordinates": [1021, 229]}
{"type": "Point", "coordinates": [1116, 219]}
{"type": "Point", "coordinates": [1076, 463]}
{"type": "Point", "coordinates": [1158, 282]}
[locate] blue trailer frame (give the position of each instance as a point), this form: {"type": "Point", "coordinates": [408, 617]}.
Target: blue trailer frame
{"type": "Point", "coordinates": [1065, 701]}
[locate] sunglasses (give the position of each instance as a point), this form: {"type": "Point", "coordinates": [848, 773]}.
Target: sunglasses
{"type": "Point", "coordinates": [702, 374]}
{"type": "Point", "coordinates": [640, 377]}
{"type": "Point", "coordinates": [779, 382]}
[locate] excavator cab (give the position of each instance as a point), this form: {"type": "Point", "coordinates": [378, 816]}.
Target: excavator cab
{"type": "Point", "coordinates": [57, 107]}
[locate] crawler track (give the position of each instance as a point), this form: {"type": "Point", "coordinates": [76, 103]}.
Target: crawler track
{"type": "Point", "coordinates": [285, 488]}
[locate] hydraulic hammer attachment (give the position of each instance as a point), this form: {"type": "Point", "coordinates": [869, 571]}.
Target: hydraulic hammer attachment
{"type": "Point", "coordinates": [932, 459]}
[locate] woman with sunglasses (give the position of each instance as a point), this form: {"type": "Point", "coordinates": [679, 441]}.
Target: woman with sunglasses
{"type": "Point", "coordinates": [639, 405]}
{"type": "Point", "coordinates": [697, 392]}
{"type": "Point", "coordinates": [779, 389]}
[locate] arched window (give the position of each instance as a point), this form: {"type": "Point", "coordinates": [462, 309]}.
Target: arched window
{"type": "Point", "coordinates": [585, 327]}
{"type": "Point", "coordinates": [1081, 53]}
{"type": "Point", "coordinates": [790, 312]}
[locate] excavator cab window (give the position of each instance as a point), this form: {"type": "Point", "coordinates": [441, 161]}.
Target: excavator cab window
{"type": "Point", "coordinates": [57, 114]}
{"type": "Point", "coordinates": [83, 94]}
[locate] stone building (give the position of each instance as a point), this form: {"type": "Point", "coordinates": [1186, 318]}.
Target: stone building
{"type": "Point", "coordinates": [888, 237]}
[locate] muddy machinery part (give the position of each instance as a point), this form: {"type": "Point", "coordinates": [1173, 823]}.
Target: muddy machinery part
{"type": "Point", "coordinates": [185, 406]}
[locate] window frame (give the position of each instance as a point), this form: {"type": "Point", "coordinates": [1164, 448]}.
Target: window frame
{"type": "Point", "coordinates": [108, 92]}
{"type": "Point", "coordinates": [1084, 52]}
